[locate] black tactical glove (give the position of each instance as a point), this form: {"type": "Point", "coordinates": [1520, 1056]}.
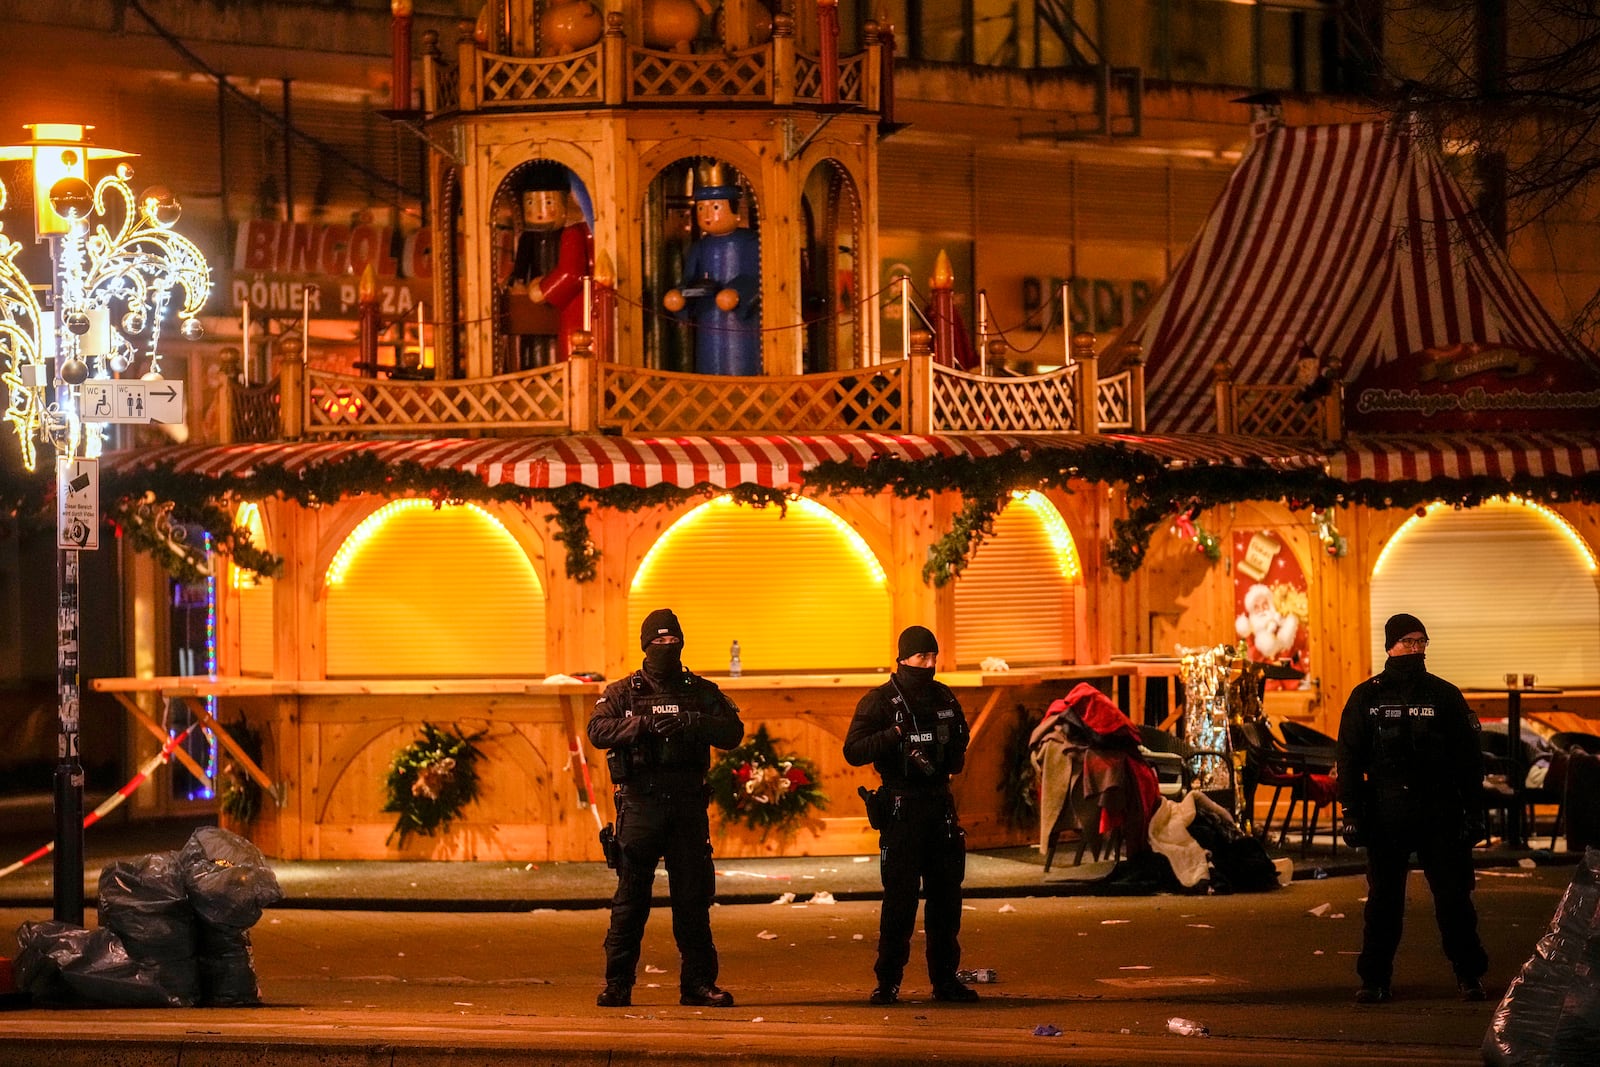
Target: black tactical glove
{"type": "Point", "coordinates": [1352, 834]}
{"type": "Point", "coordinates": [665, 724]}
{"type": "Point", "coordinates": [918, 761]}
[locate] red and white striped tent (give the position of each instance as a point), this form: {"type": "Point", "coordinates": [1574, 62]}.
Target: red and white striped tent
{"type": "Point", "coordinates": [1351, 242]}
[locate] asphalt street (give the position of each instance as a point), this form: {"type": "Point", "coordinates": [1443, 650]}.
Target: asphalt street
{"type": "Point", "coordinates": [1271, 975]}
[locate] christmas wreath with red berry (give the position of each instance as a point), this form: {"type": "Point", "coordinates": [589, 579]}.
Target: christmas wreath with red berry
{"type": "Point", "coordinates": [757, 786]}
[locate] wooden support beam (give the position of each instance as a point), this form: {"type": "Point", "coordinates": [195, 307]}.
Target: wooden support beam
{"type": "Point", "coordinates": [155, 730]}
{"type": "Point", "coordinates": [197, 706]}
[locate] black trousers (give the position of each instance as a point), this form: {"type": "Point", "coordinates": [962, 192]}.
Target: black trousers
{"type": "Point", "coordinates": [675, 828]}
{"type": "Point", "coordinates": [923, 852]}
{"type": "Point", "coordinates": [1446, 861]}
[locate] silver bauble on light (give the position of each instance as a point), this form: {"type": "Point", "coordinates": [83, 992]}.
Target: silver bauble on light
{"type": "Point", "coordinates": [160, 206]}
{"type": "Point", "coordinates": [119, 364]}
{"type": "Point", "coordinates": [74, 371]}
{"type": "Point", "coordinates": [192, 330]}
{"type": "Point", "coordinates": [77, 321]}
{"type": "Point", "coordinates": [71, 198]}
{"type": "Point", "coordinates": [133, 322]}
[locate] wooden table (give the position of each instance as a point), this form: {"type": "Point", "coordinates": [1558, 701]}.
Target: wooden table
{"type": "Point", "coordinates": [1514, 836]}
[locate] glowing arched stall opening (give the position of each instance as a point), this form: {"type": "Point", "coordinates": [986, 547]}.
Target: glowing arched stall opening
{"type": "Point", "coordinates": [373, 524]}
{"type": "Point", "coordinates": [1055, 527]}
{"type": "Point", "coordinates": [1566, 529]}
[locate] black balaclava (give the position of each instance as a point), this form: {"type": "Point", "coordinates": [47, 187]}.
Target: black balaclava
{"type": "Point", "coordinates": [1397, 627]}
{"type": "Point", "coordinates": [664, 660]}
{"type": "Point", "coordinates": [914, 640]}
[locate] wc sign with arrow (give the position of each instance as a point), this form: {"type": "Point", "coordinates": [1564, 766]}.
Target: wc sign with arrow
{"type": "Point", "coordinates": [115, 400]}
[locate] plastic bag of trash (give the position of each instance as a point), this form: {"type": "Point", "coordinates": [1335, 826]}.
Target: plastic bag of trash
{"type": "Point", "coordinates": [59, 963]}
{"type": "Point", "coordinates": [227, 972]}
{"type": "Point", "coordinates": [1550, 1015]}
{"type": "Point", "coordinates": [227, 878]}
{"type": "Point", "coordinates": [143, 901]}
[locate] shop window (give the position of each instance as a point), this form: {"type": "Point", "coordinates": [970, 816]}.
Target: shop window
{"type": "Point", "coordinates": [1017, 598]}
{"type": "Point", "coordinates": [799, 592]}
{"type": "Point", "coordinates": [1506, 586]}
{"type": "Point", "coordinates": [254, 600]}
{"type": "Point", "coordinates": [422, 591]}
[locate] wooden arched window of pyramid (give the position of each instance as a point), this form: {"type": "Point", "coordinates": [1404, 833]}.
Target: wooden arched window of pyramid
{"type": "Point", "coordinates": [830, 269]}
{"type": "Point", "coordinates": [1018, 597]}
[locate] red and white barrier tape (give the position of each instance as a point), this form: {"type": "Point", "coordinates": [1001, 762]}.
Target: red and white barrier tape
{"type": "Point", "coordinates": [112, 802]}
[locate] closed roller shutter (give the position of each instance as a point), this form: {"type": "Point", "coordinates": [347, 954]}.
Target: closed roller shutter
{"type": "Point", "coordinates": [419, 592]}
{"type": "Point", "coordinates": [1025, 195]}
{"type": "Point", "coordinates": [1016, 599]}
{"type": "Point", "coordinates": [1122, 203]}
{"type": "Point", "coordinates": [800, 592]}
{"type": "Point", "coordinates": [1501, 587]}
{"type": "Point", "coordinates": [926, 189]}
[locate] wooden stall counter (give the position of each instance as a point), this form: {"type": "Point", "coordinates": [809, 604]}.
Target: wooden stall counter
{"type": "Point", "coordinates": [327, 746]}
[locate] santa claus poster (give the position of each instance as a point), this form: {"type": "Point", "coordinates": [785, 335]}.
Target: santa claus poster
{"type": "Point", "coordinates": [1271, 605]}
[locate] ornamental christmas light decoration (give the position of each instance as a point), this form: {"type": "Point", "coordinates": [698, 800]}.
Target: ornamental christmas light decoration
{"type": "Point", "coordinates": [119, 268]}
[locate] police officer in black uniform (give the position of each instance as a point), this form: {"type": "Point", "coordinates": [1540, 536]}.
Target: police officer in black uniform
{"type": "Point", "coordinates": [1411, 780]}
{"type": "Point", "coordinates": [656, 725]}
{"type": "Point", "coordinates": [912, 730]}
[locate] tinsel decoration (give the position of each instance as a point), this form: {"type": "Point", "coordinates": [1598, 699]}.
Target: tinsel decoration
{"type": "Point", "coordinates": [431, 781]}
{"type": "Point", "coordinates": [759, 787]}
{"type": "Point", "coordinates": [1333, 542]}
{"type": "Point", "coordinates": [238, 795]}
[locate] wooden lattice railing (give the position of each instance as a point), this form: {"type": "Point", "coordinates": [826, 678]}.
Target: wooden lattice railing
{"type": "Point", "coordinates": [728, 76]}
{"type": "Point", "coordinates": [255, 411]}
{"type": "Point", "coordinates": [972, 403]}
{"type": "Point", "coordinates": [853, 79]}
{"type": "Point", "coordinates": [584, 395]}
{"type": "Point", "coordinates": [637, 400]}
{"type": "Point", "coordinates": [515, 81]}
{"type": "Point", "coordinates": [527, 400]}
{"type": "Point", "coordinates": [1114, 402]}
{"type": "Point", "coordinates": [1274, 411]}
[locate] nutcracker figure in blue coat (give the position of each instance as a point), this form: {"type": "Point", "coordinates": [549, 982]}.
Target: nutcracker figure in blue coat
{"type": "Point", "coordinates": [721, 289]}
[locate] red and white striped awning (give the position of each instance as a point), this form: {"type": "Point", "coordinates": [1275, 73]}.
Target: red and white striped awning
{"type": "Point", "coordinates": [596, 461]}
{"type": "Point", "coordinates": [1421, 458]}
{"type": "Point", "coordinates": [1183, 450]}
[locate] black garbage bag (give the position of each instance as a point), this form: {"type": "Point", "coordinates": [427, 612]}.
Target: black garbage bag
{"type": "Point", "coordinates": [227, 971]}
{"type": "Point", "coordinates": [1550, 1015]}
{"type": "Point", "coordinates": [227, 878]}
{"type": "Point", "coordinates": [1239, 863]}
{"type": "Point", "coordinates": [1142, 874]}
{"type": "Point", "coordinates": [144, 902]}
{"type": "Point", "coordinates": [59, 963]}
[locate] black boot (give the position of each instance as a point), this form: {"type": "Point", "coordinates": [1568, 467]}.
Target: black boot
{"type": "Point", "coordinates": [706, 996]}
{"type": "Point", "coordinates": [884, 995]}
{"type": "Point", "coordinates": [615, 995]}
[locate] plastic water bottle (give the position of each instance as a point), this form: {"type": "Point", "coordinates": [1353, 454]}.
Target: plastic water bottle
{"type": "Point", "coordinates": [735, 668]}
{"type": "Point", "coordinates": [1187, 1028]}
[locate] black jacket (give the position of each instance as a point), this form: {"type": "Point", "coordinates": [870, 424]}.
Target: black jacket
{"type": "Point", "coordinates": [933, 722]}
{"type": "Point", "coordinates": [683, 759]}
{"type": "Point", "coordinates": [1409, 750]}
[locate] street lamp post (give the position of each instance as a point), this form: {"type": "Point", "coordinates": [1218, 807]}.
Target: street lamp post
{"type": "Point", "coordinates": [117, 269]}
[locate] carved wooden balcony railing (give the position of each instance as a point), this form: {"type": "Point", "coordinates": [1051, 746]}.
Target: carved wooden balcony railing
{"type": "Point", "coordinates": [534, 400]}
{"type": "Point", "coordinates": [615, 72]}
{"type": "Point", "coordinates": [636, 400]}
{"type": "Point", "coordinates": [1281, 411]}
{"type": "Point", "coordinates": [972, 403]}
{"type": "Point", "coordinates": [584, 395]}
{"type": "Point", "coordinates": [516, 81]}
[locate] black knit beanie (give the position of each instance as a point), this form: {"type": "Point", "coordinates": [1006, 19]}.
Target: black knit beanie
{"type": "Point", "coordinates": [659, 623]}
{"type": "Point", "coordinates": [915, 640]}
{"type": "Point", "coordinates": [1399, 626]}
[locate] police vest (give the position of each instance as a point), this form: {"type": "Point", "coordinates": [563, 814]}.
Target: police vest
{"type": "Point", "coordinates": [679, 752]}
{"type": "Point", "coordinates": [928, 725]}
